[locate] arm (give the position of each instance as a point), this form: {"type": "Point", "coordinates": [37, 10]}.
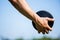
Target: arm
{"type": "Point", "coordinates": [23, 7]}
{"type": "Point", "coordinates": [41, 23]}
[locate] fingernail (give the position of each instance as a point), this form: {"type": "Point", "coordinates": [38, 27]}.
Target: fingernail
{"type": "Point", "coordinates": [50, 29]}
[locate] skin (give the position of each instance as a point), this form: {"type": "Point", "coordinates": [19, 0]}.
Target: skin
{"type": "Point", "coordinates": [41, 22]}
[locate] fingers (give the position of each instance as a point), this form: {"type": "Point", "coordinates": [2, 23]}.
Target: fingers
{"type": "Point", "coordinates": [50, 19]}
{"type": "Point", "coordinates": [39, 31]}
{"type": "Point", "coordinates": [43, 32]}
{"type": "Point", "coordinates": [47, 31]}
{"type": "Point", "coordinates": [49, 28]}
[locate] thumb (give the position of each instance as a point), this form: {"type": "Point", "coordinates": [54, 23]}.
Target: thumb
{"type": "Point", "coordinates": [50, 19]}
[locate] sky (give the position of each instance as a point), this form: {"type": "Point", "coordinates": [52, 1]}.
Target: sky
{"type": "Point", "coordinates": [14, 25]}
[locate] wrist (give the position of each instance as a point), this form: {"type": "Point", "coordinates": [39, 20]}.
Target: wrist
{"type": "Point", "coordinates": [36, 17]}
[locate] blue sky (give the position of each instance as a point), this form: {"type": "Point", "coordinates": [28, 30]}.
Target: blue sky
{"type": "Point", "coordinates": [13, 24]}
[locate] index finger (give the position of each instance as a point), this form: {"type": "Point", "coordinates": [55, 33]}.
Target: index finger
{"type": "Point", "coordinates": [49, 28]}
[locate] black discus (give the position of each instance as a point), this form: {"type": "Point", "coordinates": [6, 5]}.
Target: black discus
{"type": "Point", "coordinates": [44, 14]}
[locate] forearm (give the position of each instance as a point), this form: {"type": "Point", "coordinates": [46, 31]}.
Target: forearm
{"type": "Point", "coordinates": [23, 7]}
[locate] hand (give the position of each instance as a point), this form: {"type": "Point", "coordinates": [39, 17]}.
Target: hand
{"type": "Point", "coordinates": [42, 24]}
